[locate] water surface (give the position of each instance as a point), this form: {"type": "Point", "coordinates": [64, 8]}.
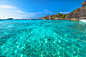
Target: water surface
{"type": "Point", "coordinates": [42, 38]}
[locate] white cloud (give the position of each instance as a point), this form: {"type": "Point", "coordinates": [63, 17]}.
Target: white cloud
{"type": "Point", "coordinates": [20, 11]}
{"type": "Point", "coordinates": [47, 11]}
{"type": "Point", "coordinates": [7, 11]}
{"type": "Point", "coordinates": [64, 12]}
{"type": "Point", "coordinates": [7, 7]}
{"type": "Point", "coordinates": [39, 12]}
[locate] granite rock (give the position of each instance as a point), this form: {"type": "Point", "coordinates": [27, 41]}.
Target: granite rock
{"type": "Point", "coordinates": [79, 12]}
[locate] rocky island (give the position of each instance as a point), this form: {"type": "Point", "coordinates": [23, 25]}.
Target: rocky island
{"type": "Point", "coordinates": [79, 13]}
{"type": "Point", "coordinates": [55, 17]}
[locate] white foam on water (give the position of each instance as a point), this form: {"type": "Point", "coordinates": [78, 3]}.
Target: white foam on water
{"type": "Point", "coordinates": [83, 20]}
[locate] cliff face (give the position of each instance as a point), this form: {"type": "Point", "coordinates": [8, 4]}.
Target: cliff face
{"type": "Point", "coordinates": [79, 12]}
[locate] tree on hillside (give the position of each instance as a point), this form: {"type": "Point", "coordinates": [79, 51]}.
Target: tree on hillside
{"type": "Point", "coordinates": [47, 17]}
{"type": "Point", "coordinates": [58, 15]}
{"type": "Point", "coordinates": [64, 15]}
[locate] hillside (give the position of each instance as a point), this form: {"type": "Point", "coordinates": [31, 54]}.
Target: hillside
{"type": "Point", "coordinates": [55, 17]}
{"type": "Point", "coordinates": [75, 15]}
{"type": "Point", "coordinates": [78, 13]}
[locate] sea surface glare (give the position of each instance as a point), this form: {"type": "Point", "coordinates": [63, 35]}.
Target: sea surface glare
{"type": "Point", "coordinates": [42, 38]}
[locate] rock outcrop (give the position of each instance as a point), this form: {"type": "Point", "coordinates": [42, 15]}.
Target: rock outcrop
{"type": "Point", "coordinates": [42, 18]}
{"type": "Point", "coordinates": [79, 12]}
{"type": "Point", "coordinates": [58, 16]}
{"type": "Point", "coordinates": [84, 4]}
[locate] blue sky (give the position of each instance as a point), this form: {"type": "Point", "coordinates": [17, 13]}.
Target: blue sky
{"type": "Point", "coordinates": [18, 9]}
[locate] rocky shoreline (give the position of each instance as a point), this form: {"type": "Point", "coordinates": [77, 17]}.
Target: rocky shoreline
{"type": "Point", "coordinates": [55, 17]}
{"type": "Point", "coordinates": [79, 13]}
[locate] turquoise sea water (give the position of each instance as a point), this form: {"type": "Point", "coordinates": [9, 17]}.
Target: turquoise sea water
{"type": "Point", "coordinates": [42, 38]}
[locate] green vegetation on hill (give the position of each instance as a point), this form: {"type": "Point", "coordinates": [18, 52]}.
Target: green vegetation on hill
{"type": "Point", "coordinates": [58, 16]}
{"type": "Point", "coordinates": [77, 11]}
{"type": "Point", "coordinates": [64, 15]}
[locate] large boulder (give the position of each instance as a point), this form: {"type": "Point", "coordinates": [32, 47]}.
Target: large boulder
{"type": "Point", "coordinates": [79, 12]}
{"type": "Point", "coordinates": [84, 4]}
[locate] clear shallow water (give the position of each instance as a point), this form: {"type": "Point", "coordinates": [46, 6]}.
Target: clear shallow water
{"type": "Point", "coordinates": [42, 38]}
